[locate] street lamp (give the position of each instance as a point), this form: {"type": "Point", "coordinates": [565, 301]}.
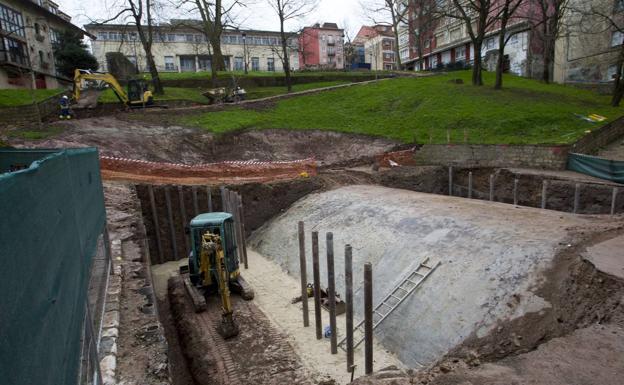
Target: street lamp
{"type": "Point", "coordinates": [245, 51]}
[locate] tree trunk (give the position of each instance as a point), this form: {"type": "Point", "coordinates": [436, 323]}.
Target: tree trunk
{"type": "Point", "coordinates": [218, 63]}
{"type": "Point", "coordinates": [500, 63]}
{"type": "Point", "coordinates": [158, 87]}
{"type": "Point", "coordinates": [618, 87]}
{"type": "Point", "coordinates": [285, 57]}
{"type": "Point", "coordinates": [477, 77]}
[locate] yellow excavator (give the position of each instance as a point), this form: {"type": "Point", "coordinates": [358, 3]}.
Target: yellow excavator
{"type": "Point", "coordinates": [214, 267]}
{"type": "Point", "coordinates": [138, 94]}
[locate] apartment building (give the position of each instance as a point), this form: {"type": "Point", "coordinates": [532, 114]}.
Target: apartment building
{"type": "Point", "coordinates": [379, 46]}
{"type": "Point", "coordinates": [321, 47]}
{"type": "Point", "coordinates": [180, 46]}
{"type": "Point", "coordinates": [445, 42]}
{"type": "Point", "coordinates": [28, 30]}
{"type": "Point", "coordinates": [590, 43]}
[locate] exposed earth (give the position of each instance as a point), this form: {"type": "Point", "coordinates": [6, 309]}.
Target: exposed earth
{"type": "Point", "coordinates": [560, 322]}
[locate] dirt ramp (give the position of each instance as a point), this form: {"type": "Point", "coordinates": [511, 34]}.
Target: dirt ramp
{"type": "Point", "coordinates": [493, 259]}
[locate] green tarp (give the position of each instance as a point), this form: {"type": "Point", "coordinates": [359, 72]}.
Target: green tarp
{"type": "Point", "coordinates": [612, 170]}
{"type": "Point", "coordinates": [51, 214]}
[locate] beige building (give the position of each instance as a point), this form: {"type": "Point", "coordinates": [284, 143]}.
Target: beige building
{"type": "Point", "coordinates": [180, 46]}
{"type": "Point", "coordinates": [379, 49]}
{"type": "Point", "coordinates": [588, 46]}
{"type": "Point", "coordinates": [28, 30]}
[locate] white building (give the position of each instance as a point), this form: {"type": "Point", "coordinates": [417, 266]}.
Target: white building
{"type": "Point", "coordinates": [180, 46]}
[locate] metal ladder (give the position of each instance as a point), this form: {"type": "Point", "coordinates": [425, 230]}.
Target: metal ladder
{"type": "Point", "coordinates": [392, 300]}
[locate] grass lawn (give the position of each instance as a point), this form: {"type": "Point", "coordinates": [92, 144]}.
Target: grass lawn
{"type": "Point", "coordinates": [195, 94]}
{"type": "Point", "coordinates": [20, 97]}
{"type": "Point", "coordinates": [428, 109]}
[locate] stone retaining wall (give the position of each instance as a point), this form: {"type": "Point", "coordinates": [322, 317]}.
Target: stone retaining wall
{"type": "Point", "coordinates": [591, 143]}
{"type": "Point", "coordinates": [482, 155]}
{"type": "Point", "coordinates": [28, 114]}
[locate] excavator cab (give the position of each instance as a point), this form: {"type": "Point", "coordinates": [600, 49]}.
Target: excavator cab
{"type": "Point", "coordinates": [203, 272]}
{"type": "Point", "coordinates": [139, 92]}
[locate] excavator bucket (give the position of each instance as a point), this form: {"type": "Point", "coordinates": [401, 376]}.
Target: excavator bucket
{"type": "Point", "coordinates": [227, 328]}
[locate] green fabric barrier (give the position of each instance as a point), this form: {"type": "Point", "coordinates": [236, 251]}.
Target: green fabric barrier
{"type": "Point", "coordinates": [51, 216]}
{"type": "Point", "coordinates": [612, 170]}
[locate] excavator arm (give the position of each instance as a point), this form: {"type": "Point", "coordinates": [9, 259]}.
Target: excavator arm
{"type": "Point", "coordinates": [211, 246]}
{"type": "Point", "coordinates": [109, 79]}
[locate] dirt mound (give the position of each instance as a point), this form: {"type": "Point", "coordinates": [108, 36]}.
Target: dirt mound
{"type": "Point", "coordinates": [159, 142]}
{"type": "Point", "coordinates": [221, 172]}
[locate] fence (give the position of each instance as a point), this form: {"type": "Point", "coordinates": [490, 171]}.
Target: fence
{"type": "Point", "coordinates": [55, 265]}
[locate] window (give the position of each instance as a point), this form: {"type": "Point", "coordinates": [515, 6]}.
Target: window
{"type": "Point", "coordinates": [617, 39]}
{"type": "Point", "coordinates": [169, 63]}
{"type": "Point", "coordinates": [255, 64]}
{"type": "Point", "coordinates": [132, 36]}
{"type": "Point", "coordinates": [11, 21]}
{"type": "Point", "coordinates": [434, 61]}
{"type": "Point", "coordinates": [55, 36]}
{"type": "Point", "coordinates": [455, 34]}
{"type": "Point", "coordinates": [189, 38]}
{"type": "Point", "coordinates": [427, 43]}
{"type": "Point", "coordinates": [102, 36]}
{"type": "Point", "coordinates": [460, 53]}
{"type": "Point", "coordinates": [37, 29]}
{"type": "Point", "coordinates": [618, 6]}
{"type": "Point", "coordinates": [170, 37]}
{"type": "Point", "coordinates": [271, 64]}
{"type": "Point", "coordinates": [238, 63]}
{"type": "Point", "coordinates": [15, 51]}
{"type": "Point", "coordinates": [113, 36]}
{"type": "Point", "coordinates": [611, 71]}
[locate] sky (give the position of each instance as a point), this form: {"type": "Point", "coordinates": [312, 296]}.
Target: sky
{"type": "Point", "coordinates": [259, 15]}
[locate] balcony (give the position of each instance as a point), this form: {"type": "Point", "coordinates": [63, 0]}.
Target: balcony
{"type": "Point", "coordinates": [8, 58]}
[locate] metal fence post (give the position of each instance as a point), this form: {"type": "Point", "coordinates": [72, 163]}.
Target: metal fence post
{"type": "Point", "coordinates": [544, 192]}
{"type": "Point", "coordinates": [577, 197]}
{"type": "Point", "coordinates": [317, 286]}
{"type": "Point", "coordinates": [515, 192]}
{"type": "Point", "coordinates": [613, 198]}
{"type": "Point", "coordinates": [331, 292]}
{"type": "Point", "coordinates": [184, 222]}
{"type": "Point", "coordinates": [450, 180]}
{"type": "Point", "coordinates": [368, 318]}
{"type": "Point", "coordinates": [195, 204]}
{"type": "Point", "coordinates": [470, 185]}
{"type": "Point", "coordinates": [491, 187]}
{"type": "Point", "coordinates": [150, 190]}
{"type": "Point", "coordinates": [209, 197]}
{"type": "Point", "coordinates": [349, 304]}
{"type": "Point", "coordinates": [304, 279]}
{"type": "Point", "coordinates": [174, 245]}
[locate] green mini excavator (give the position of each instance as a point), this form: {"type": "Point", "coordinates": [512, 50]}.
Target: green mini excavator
{"type": "Point", "coordinates": [213, 266]}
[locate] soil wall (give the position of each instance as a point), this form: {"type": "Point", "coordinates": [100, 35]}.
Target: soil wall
{"type": "Point", "coordinates": [261, 202]}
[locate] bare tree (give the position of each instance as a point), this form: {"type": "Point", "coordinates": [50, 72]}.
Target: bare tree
{"type": "Point", "coordinates": [547, 26]}
{"type": "Point", "coordinates": [509, 8]}
{"type": "Point", "coordinates": [288, 10]}
{"type": "Point", "coordinates": [140, 13]}
{"type": "Point", "coordinates": [599, 18]}
{"type": "Point", "coordinates": [478, 16]}
{"type": "Point", "coordinates": [392, 12]}
{"type": "Point", "coordinates": [423, 21]}
{"type": "Point", "coordinates": [216, 16]}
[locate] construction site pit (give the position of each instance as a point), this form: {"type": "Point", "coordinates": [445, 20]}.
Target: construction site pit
{"type": "Point", "coordinates": [521, 293]}
{"type": "Point", "coordinates": [510, 279]}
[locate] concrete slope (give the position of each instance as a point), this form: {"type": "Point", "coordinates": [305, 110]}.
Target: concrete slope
{"type": "Point", "coordinates": [492, 256]}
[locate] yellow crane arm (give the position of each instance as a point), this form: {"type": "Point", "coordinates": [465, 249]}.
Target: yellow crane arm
{"type": "Point", "coordinates": [109, 79]}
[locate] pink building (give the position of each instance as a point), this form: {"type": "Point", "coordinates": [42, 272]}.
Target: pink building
{"type": "Point", "coordinates": [321, 47]}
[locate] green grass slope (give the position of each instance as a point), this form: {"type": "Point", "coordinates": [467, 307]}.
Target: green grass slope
{"type": "Point", "coordinates": [22, 97]}
{"type": "Point", "coordinates": [430, 109]}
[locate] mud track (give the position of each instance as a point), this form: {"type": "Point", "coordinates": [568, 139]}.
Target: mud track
{"type": "Point", "coordinates": [258, 355]}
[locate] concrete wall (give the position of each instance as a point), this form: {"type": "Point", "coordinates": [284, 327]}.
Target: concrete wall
{"type": "Point", "coordinates": [591, 143]}
{"type": "Point", "coordinates": [483, 155]}
{"type": "Point", "coordinates": [475, 286]}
